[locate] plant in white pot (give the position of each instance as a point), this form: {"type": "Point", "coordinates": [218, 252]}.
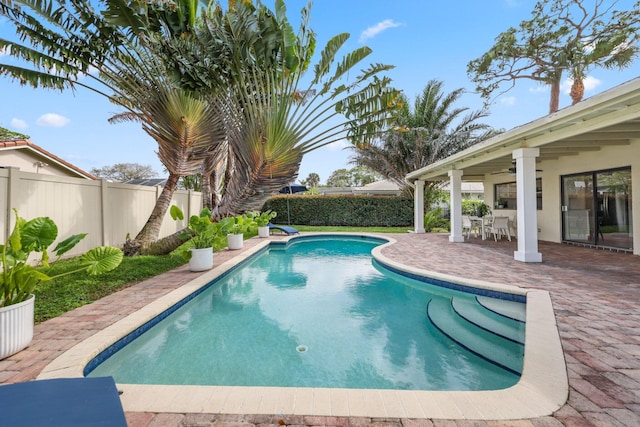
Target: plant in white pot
{"type": "Point", "coordinates": [241, 224]}
{"type": "Point", "coordinates": [262, 219]}
{"type": "Point", "coordinates": [19, 277]}
{"type": "Point", "coordinates": [205, 234]}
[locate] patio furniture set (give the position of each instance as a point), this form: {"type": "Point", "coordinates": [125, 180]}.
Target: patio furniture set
{"type": "Point", "coordinates": [485, 226]}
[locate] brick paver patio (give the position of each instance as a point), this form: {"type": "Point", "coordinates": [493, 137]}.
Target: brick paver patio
{"type": "Point", "coordinates": [596, 299]}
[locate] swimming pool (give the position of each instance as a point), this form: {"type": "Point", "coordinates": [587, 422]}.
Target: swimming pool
{"type": "Point", "coordinates": [319, 313]}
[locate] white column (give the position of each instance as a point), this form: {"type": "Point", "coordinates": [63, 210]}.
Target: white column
{"type": "Point", "coordinates": [418, 206]}
{"type": "Point", "coordinates": [455, 188]}
{"type": "Point", "coordinates": [527, 212]}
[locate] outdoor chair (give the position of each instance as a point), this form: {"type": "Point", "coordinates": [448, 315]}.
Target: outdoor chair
{"type": "Point", "coordinates": [61, 402]}
{"type": "Point", "coordinates": [282, 228]}
{"type": "Point", "coordinates": [469, 226]}
{"type": "Point", "coordinates": [500, 227]}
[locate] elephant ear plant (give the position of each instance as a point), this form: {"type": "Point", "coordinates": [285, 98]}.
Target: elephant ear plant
{"type": "Point", "coordinates": [19, 278]}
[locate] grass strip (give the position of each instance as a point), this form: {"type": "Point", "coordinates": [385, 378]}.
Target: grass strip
{"type": "Point", "coordinates": [63, 294]}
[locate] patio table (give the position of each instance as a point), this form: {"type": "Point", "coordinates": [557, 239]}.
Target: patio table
{"type": "Point", "coordinates": [482, 221]}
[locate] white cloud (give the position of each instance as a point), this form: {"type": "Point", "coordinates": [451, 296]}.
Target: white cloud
{"type": "Point", "coordinates": [539, 89]}
{"type": "Point", "coordinates": [590, 83]}
{"type": "Point", "coordinates": [377, 29]}
{"type": "Point", "coordinates": [508, 101]}
{"type": "Point", "coordinates": [52, 120]}
{"type": "Point", "coordinates": [18, 124]}
{"type": "Point", "coordinates": [338, 145]}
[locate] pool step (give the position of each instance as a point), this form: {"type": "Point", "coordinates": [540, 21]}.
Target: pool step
{"type": "Point", "coordinates": [511, 309]}
{"type": "Point", "coordinates": [491, 347]}
{"type": "Point", "coordinates": [473, 312]}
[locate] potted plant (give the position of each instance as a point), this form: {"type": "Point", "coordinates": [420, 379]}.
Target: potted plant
{"type": "Point", "coordinates": [240, 225]}
{"type": "Point", "coordinates": [204, 234]}
{"type": "Point", "coordinates": [482, 209]}
{"type": "Point", "coordinates": [262, 220]}
{"type": "Point", "coordinates": [502, 203]}
{"type": "Point", "coordinates": [19, 277]}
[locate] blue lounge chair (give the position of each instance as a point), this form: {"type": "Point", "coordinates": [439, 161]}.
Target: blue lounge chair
{"type": "Point", "coordinates": [62, 402]}
{"type": "Point", "coordinates": [282, 228]}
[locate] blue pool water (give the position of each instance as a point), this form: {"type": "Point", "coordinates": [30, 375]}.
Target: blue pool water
{"type": "Point", "coordinates": [318, 313]}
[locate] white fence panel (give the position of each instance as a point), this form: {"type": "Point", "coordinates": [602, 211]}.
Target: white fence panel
{"type": "Point", "coordinates": [106, 211]}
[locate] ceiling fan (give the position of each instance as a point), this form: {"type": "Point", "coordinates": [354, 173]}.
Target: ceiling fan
{"type": "Point", "coordinates": [511, 170]}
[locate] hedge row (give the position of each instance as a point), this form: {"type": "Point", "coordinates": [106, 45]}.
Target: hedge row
{"type": "Point", "coordinates": [347, 210]}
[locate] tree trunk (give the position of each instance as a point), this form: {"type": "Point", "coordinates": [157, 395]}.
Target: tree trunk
{"type": "Point", "coordinates": [554, 101]}
{"type": "Point", "coordinates": [166, 244]}
{"type": "Point", "coordinates": [151, 229]}
{"type": "Point", "coordinates": [577, 91]}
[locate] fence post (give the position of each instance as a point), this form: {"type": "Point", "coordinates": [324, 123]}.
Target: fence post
{"type": "Point", "coordinates": [12, 197]}
{"type": "Point", "coordinates": [104, 188]}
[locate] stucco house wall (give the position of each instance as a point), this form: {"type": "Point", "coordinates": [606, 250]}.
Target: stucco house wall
{"type": "Point", "coordinates": [550, 216]}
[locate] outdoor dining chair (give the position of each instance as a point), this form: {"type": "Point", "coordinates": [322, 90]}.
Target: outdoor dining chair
{"type": "Point", "coordinates": [469, 226]}
{"type": "Point", "coordinates": [500, 227]}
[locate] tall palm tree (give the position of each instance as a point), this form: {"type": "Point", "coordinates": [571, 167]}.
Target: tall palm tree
{"type": "Point", "coordinates": [432, 130]}
{"type": "Point", "coordinates": [261, 62]}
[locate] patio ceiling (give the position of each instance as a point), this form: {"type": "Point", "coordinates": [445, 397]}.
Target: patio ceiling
{"type": "Point", "coordinates": [609, 118]}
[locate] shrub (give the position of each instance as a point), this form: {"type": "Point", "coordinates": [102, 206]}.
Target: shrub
{"type": "Point", "coordinates": [342, 210]}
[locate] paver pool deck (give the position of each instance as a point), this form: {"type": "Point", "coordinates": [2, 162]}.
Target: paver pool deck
{"type": "Point", "coordinates": [595, 296]}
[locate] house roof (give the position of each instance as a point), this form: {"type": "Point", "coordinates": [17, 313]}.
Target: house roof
{"type": "Point", "coordinates": [609, 118]}
{"type": "Point", "coordinates": [25, 144]}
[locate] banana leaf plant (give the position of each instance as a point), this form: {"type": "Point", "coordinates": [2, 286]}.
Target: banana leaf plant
{"type": "Point", "coordinates": [20, 277]}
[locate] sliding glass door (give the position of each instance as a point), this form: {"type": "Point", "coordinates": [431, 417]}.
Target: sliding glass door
{"type": "Point", "coordinates": [596, 208]}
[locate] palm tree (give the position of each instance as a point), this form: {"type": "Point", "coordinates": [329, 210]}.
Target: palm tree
{"type": "Point", "coordinates": [433, 130]}
{"type": "Point", "coordinates": [261, 63]}
{"type": "Point", "coordinates": [220, 95]}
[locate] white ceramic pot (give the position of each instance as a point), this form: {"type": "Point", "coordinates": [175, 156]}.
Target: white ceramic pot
{"type": "Point", "coordinates": [16, 327]}
{"type": "Point", "coordinates": [263, 231]}
{"type": "Point", "coordinates": [201, 259]}
{"type": "Point", "coordinates": [235, 241]}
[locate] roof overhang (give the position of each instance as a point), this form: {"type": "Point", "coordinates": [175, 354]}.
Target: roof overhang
{"type": "Point", "coordinates": [609, 118]}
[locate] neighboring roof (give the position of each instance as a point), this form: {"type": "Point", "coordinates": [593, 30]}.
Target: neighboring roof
{"type": "Point", "coordinates": [25, 144]}
{"type": "Point", "coordinates": [383, 185]}
{"type": "Point", "coordinates": [151, 182]}
{"type": "Point", "coordinates": [609, 118]}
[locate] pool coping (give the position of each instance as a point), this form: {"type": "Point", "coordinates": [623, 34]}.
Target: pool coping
{"type": "Point", "coordinates": [542, 389]}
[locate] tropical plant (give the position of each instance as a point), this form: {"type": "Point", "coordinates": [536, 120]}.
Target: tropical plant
{"type": "Point", "coordinates": [313, 180]}
{"type": "Point", "coordinates": [19, 278]}
{"type": "Point", "coordinates": [202, 232]}
{"type": "Point", "coordinates": [262, 219]}
{"type": "Point", "coordinates": [562, 36]}
{"type": "Point", "coordinates": [433, 221]}
{"type": "Point", "coordinates": [475, 207]}
{"type": "Point", "coordinates": [242, 224]}
{"type": "Point", "coordinates": [433, 130]}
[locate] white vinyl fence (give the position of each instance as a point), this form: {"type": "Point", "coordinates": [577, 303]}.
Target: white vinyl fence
{"type": "Point", "coordinates": [107, 211]}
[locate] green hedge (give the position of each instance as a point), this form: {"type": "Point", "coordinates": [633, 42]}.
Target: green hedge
{"type": "Point", "coordinates": [346, 210]}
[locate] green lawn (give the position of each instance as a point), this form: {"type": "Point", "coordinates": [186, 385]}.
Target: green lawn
{"type": "Point", "coordinates": [65, 293]}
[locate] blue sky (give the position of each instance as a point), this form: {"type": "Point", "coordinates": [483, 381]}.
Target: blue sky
{"type": "Point", "coordinates": [423, 39]}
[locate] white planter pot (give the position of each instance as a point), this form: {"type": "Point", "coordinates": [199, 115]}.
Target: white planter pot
{"type": "Point", "coordinates": [201, 259]}
{"type": "Point", "coordinates": [235, 241]}
{"type": "Point", "coordinates": [263, 231]}
{"type": "Point", "coordinates": [16, 327]}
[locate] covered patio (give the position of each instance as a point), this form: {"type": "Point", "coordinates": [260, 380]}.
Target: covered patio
{"type": "Point", "coordinates": [571, 176]}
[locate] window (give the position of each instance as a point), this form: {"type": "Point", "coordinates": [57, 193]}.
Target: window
{"type": "Point", "coordinates": [505, 195]}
